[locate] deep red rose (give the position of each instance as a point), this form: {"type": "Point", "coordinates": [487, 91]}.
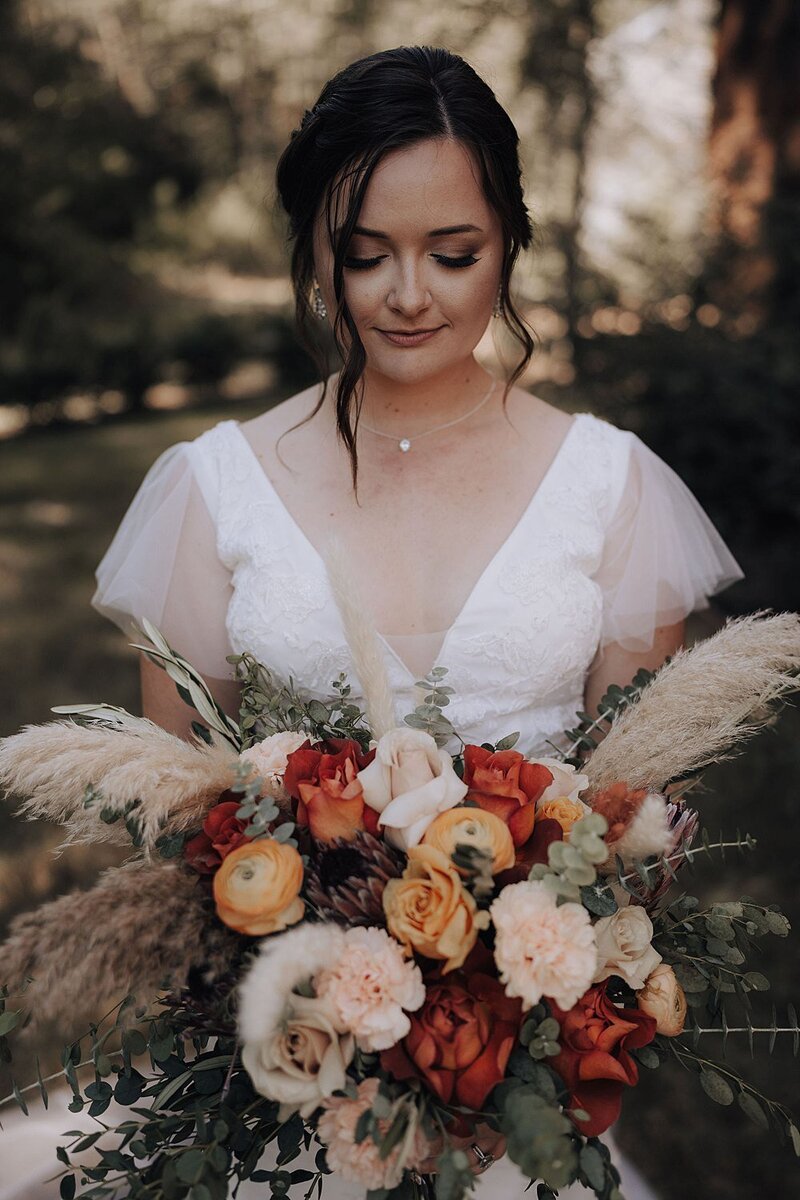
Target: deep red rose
{"type": "Point", "coordinates": [545, 831]}
{"type": "Point", "coordinates": [222, 832]}
{"type": "Point", "coordinates": [323, 780]}
{"type": "Point", "coordinates": [505, 784]}
{"type": "Point", "coordinates": [594, 1060]}
{"type": "Point", "coordinates": [460, 1040]}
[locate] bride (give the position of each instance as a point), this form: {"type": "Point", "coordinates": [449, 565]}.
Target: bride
{"type": "Point", "coordinates": [538, 556]}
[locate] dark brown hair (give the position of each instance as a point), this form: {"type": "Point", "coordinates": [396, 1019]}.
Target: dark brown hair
{"type": "Point", "coordinates": [383, 102]}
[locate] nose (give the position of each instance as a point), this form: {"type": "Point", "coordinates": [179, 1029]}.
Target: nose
{"type": "Point", "coordinates": [409, 293]}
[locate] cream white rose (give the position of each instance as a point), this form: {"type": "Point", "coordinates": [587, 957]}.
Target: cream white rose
{"type": "Point", "coordinates": [566, 781]}
{"type": "Point", "coordinates": [303, 1060]}
{"type": "Point", "coordinates": [663, 998]}
{"type": "Point", "coordinates": [624, 946]}
{"type": "Point", "coordinates": [409, 782]}
{"type": "Point", "coordinates": [270, 756]}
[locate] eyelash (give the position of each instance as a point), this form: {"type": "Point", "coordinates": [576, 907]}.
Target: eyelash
{"type": "Point", "coordinates": [364, 264]}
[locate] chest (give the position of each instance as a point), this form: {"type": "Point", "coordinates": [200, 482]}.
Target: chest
{"type": "Point", "coordinates": [426, 523]}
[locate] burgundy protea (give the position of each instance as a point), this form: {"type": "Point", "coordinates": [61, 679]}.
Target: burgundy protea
{"type": "Point", "coordinates": [345, 880]}
{"type": "Point", "coordinates": [683, 823]}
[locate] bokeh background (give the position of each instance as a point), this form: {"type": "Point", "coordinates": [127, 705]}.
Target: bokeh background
{"type": "Point", "coordinates": [144, 296]}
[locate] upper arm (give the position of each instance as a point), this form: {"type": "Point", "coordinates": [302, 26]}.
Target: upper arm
{"type": "Point", "coordinates": [614, 664]}
{"type": "Point", "coordinates": [162, 704]}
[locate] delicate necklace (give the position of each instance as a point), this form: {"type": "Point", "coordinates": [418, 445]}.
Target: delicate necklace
{"type": "Point", "coordinates": [404, 443]}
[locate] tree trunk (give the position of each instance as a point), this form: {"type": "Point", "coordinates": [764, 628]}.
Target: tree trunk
{"type": "Point", "coordinates": [754, 156]}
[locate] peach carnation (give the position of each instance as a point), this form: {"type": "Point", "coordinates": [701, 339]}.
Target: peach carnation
{"type": "Point", "coordinates": [542, 948]}
{"type": "Point", "coordinates": [370, 986]}
{"type": "Point", "coordinates": [361, 1162]}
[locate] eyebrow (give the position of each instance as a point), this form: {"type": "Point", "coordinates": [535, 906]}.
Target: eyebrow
{"type": "Point", "coordinates": [376, 233]}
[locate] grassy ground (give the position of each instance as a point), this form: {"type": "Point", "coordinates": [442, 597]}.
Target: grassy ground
{"type": "Point", "coordinates": [62, 494]}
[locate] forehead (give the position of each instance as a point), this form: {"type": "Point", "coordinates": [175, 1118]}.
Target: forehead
{"type": "Point", "coordinates": [417, 188]}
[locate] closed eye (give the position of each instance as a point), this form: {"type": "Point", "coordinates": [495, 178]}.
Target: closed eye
{"type": "Point", "coordinates": [364, 264]}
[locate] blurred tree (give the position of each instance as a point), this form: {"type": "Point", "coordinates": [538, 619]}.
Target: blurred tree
{"type": "Point", "coordinates": [79, 169]}
{"type": "Point", "coordinates": [754, 155]}
{"type": "Point", "coordinates": [554, 62]}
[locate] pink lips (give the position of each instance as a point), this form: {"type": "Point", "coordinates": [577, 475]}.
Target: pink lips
{"type": "Point", "coordinates": [409, 339]}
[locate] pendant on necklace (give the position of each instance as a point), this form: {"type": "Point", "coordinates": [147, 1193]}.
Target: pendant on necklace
{"type": "Point", "coordinates": [404, 444]}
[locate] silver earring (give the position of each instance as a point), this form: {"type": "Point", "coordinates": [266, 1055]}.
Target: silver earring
{"type": "Point", "coordinates": [497, 311]}
{"type": "Point", "coordinates": [319, 304]}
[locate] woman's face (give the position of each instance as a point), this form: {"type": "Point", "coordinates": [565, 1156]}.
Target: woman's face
{"type": "Point", "coordinates": [426, 255]}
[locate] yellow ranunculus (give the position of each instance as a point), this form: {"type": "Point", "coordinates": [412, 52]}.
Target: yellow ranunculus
{"type": "Point", "coordinates": [257, 887]}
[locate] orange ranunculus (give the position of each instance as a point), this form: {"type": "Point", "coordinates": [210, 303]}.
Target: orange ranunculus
{"type": "Point", "coordinates": [324, 782]}
{"type": "Point", "coordinates": [505, 784]}
{"type": "Point", "coordinates": [594, 1060]}
{"type": "Point", "coordinates": [257, 888]}
{"type": "Point", "coordinates": [460, 1040]}
{"type": "Point", "coordinates": [471, 826]}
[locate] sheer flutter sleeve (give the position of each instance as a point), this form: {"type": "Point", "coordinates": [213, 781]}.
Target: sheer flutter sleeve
{"type": "Point", "coordinates": [163, 563]}
{"type": "Point", "coordinates": [663, 557]}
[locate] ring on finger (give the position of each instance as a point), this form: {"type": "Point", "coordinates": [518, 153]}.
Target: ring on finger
{"type": "Point", "coordinates": [482, 1160]}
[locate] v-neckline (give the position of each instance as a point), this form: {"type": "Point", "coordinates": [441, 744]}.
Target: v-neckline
{"type": "Point", "coordinates": [304, 539]}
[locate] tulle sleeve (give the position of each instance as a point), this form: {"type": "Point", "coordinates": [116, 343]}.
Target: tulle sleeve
{"type": "Point", "coordinates": [163, 563]}
{"type": "Point", "coordinates": [663, 557]}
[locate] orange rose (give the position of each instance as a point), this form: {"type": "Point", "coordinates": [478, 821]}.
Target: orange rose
{"type": "Point", "coordinates": [505, 784]}
{"type": "Point", "coordinates": [257, 888]}
{"type": "Point", "coordinates": [472, 827]}
{"type": "Point", "coordinates": [325, 784]}
{"type": "Point", "coordinates": [460, 1040]}
{"type": "Point", "coordinates": [563, 810]}
{"type": "Point", "coordinates": [594, 1060]}
{"type": "Point", "coordinates": [429, 910]}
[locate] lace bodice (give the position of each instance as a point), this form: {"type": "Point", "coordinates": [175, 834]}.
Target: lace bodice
{"type": "Point", "coordinates": [579, 569]}
{"type": "Point", "coordinates": [517, 651]}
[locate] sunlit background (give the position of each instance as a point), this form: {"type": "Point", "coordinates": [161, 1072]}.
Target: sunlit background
{"type": "Point", "coordinates": [144, 296]}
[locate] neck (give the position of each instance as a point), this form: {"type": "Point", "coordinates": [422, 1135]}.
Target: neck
{"type": "Point", "coordinates": [397, 406]}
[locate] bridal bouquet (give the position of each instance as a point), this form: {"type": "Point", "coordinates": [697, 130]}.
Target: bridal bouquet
{"type": "Point", "coordinates": [338, 939]}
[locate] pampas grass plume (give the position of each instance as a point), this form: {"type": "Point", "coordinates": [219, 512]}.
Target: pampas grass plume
{"type": "Point", "coordinates": [139, 926]}
{"type": "Point", "coordinates": [365, 648]}
{"type": "Point", "coordinates": [50, 766]}
{"type": "Point", "coordinates": [702, 705]}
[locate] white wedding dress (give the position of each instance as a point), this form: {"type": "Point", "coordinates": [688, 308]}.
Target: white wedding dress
{"type": "Point", "coordinates": [611, 545]}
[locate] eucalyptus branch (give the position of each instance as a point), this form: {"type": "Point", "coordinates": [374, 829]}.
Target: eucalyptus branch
{"type": "Point", "coordinates": [688, 853]}
{"type": "Point", "coordinates": [87, 1062]}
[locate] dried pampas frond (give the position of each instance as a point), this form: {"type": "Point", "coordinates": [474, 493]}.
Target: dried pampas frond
{"type": "Point", "coordinates": [50, 767]}
{"type": "Point", "coordinates": [702, 704]}
{"type": "Point", "coordinates": [362, 639]}
{"type": "Point", "coordinates": [137, 926]}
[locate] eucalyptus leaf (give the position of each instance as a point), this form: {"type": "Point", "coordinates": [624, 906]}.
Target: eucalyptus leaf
{"type": "Point", "coordinates": [716, 1087]}
{"type": "Point", "coordinates": [751, 1107]}
{"type": "Point", "coordinates": [593, 1167]}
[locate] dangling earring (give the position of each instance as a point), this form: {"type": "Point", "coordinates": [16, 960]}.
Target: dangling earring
{"type": "Point", "coordinates": [319, 304]}
{"type": "Point", "coordinates": [497, 311]}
